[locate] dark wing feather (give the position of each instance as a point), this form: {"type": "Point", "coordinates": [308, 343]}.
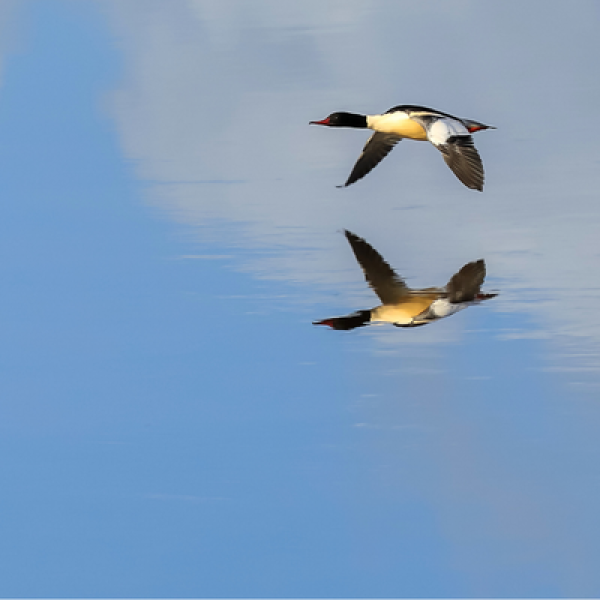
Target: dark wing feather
{"type": "Point", "coordinates": [462, 157]}
{"type": "Point", "coordinates": [466, 284]}
{"type": "Point", "coordinates": [384, 281]}
{"type": "Point", "coordinates": [378, 146]}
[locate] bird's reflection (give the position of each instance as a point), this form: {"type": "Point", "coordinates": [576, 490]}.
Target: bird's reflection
{"type": "Point", "coordinates": [450, 135]}
{"type": "Point", "coordinates": [405, 307]}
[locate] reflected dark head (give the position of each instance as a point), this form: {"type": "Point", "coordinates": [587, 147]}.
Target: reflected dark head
{"type": "Point", "coordinates": [343, 119]}
{"type": "Point", "coordinates": [357, 319]}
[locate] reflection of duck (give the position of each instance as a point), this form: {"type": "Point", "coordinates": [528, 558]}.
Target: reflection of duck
{"type": "Point", "coordinates": [448, 134]}
{"type": "Point", "coordinates": [402, 306]}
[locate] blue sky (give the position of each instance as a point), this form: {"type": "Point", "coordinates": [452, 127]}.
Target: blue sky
{"type": "Point", "coordinates": [172, 424]}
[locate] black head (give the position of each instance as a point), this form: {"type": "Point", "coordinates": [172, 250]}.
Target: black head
{"type": "Point", "coordinates": [343, 119]}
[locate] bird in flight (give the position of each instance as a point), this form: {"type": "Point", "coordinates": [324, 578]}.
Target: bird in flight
{"type": "Point", "coordinates": [450, 135]}
{"type": "Point", "coordinates": [405, 307]}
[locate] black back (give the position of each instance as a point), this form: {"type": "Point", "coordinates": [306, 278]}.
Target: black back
{"type": "Point", "coordinates": [416, 108]}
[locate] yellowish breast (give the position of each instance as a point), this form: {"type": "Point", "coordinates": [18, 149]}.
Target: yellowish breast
{"type": "Point", "coordinates": [398, 123]}
{"type": "Point", "coordinates": [404, 312]}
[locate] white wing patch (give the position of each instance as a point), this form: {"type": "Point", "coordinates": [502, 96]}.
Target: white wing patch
{"type": "Point", "coordinates": [444, 128]}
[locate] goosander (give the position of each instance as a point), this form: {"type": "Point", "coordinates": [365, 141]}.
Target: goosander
{"type": "Point", "coordinates": [402, 306]}
{"type": "Point", "coordinates": [450, 135]}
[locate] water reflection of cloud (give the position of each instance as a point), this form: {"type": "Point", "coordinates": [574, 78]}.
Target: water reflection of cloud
{"type": "Point", "coordinates": [218, 92]}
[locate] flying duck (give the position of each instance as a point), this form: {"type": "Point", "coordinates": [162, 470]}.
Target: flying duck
{"type": "Point", "coordinates": [450, 135]}
{"type": "Point", "coordinates": [403, 306]}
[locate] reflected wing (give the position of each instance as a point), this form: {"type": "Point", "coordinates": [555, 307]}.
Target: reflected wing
{"type": "Point", "coordinates": [379, 275]}
{"type": "Point", "coordinates": [376, 149]}
{"type": "Point", "coordinates": [466, 284]}
{"type": "Point", "coordinates": [451, 137]}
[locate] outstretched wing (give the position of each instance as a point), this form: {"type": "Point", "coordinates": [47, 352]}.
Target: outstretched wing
{"type": "Point", "coordinates": [384, 281]}
{"type": "Point", "coordinates": [462, 157]}
{"type": "Point", "coordinates": [378, 146]}
{"type": "Point", "coordinates": [451, 137]}
{"type": "Point", "coordinates": [466, 284]}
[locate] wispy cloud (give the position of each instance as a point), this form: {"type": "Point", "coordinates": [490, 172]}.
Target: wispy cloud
{"type": "Point", "coordinates": [536, 223]}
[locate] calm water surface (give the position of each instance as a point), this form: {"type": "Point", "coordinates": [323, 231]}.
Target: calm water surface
{"type": "Point", "coordinates": [172, 423]}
